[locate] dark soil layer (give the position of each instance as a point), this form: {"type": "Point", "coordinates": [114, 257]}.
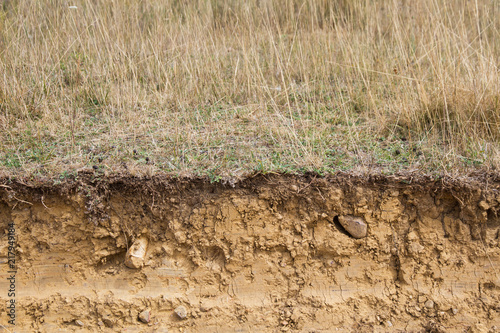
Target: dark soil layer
{"type": "Point", "coordinates": [263, 254]}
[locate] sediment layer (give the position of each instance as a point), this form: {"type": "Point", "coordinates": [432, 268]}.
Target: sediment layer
{"type": "Point", "coordinates": [262, 254]}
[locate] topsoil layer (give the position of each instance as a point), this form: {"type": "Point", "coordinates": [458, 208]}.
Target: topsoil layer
{"type": "Point", "coordinates": [264, 254]}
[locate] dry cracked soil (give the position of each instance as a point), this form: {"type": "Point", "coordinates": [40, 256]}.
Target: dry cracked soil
{"type": "Point", "coordinates": [262, 254]}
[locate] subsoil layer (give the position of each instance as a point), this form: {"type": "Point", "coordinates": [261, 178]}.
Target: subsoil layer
{"type": "Point", "coordinates": [263, 254]}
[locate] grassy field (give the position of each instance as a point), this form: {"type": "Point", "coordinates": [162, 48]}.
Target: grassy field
{"type": "Point", "coordinates": [228, 87]}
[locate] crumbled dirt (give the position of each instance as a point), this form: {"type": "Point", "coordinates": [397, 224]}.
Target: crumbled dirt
{"type": "Point", "coordinates": [264, 254]}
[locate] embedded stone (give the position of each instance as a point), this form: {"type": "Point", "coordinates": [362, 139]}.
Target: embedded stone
{"type": "Point", "coordinates": [181, 312]}
{"type": "Point", "coordinates": [108, 322]}
{"type": "Point", "coordinates": [484, 205]}
{"type": "Point", "coordinates": [355, 226]}
{"type": "Point", "coordinates": [145, 316]}
{"type": "Point", "coordinates": [136, 253]}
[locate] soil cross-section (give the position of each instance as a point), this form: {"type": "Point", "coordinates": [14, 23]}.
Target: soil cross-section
{"type": "Point", "coordinates": [264, 254]}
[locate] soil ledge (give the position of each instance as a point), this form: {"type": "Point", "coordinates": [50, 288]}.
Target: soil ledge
{"type": "Point", "coordinates": [266, 253]}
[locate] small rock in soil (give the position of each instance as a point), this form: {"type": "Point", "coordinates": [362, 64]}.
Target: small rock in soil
{"type": "Point", "coordinates": [108, 322]}
{"type": "Point", "coordinates": [145, 316]}
{"type": "Point", "coordinates": [181, 312]}
{"type": "Point", "coordinates": [79, 323]}
{"type": "Point", "coordinates": [204, 307]}
{"type": "Point", "coordinates": [484, 205]}
{"type": "Point", "coordinates": [136, 253]}
{"type": "Point", "coordinates": [429, 304]}
{"type": "Point", "coordinates": [160, 330]}
{"type": "Point", "coordinates": [355, 226]}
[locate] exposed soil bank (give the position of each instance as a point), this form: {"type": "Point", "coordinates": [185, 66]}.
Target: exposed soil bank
{"type": "Point", "coordinates": [264, 254]}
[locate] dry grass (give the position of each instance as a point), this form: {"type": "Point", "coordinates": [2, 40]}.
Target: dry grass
{"type": "Point", "coordinates": [215, 87]}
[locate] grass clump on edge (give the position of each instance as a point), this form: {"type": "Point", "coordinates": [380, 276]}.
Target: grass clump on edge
{"type": "Point", "coordinates": [228, 87]}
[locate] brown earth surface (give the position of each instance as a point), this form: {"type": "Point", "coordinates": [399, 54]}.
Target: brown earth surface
{"type": "Point", "coordinates": [262, 254]}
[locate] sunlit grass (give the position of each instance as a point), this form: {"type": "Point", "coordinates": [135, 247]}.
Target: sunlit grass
{"type": "Point", "coordinates": [227, 87]}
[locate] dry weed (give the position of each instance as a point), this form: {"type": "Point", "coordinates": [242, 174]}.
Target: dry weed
{"type": "Point", "coordinates": [221, 86]}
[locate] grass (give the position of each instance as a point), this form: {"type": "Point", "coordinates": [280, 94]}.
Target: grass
{"type": "Point", "coordinates": [229, 87]}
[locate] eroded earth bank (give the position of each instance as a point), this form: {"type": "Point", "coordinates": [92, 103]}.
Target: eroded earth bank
{"type": "Point", "coordinates": [264, 254]}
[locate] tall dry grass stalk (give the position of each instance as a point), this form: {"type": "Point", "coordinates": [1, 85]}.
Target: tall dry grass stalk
{"type": "Point", "coordinates": [245, 84]}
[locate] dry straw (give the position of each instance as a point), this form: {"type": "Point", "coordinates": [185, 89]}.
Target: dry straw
{"type": "Point", "coordinates": [229, 86]}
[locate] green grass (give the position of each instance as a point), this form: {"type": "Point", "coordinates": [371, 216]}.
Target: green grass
{"type": "Point", "coordinates": [228, 87]}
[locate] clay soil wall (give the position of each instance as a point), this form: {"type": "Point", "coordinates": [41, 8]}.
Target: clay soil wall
{"type": "Point", "coordinates": [263, 254]}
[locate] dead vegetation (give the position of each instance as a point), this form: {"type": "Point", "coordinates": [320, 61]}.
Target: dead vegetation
{"type": "Point", "coordinates": [213, 87]}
